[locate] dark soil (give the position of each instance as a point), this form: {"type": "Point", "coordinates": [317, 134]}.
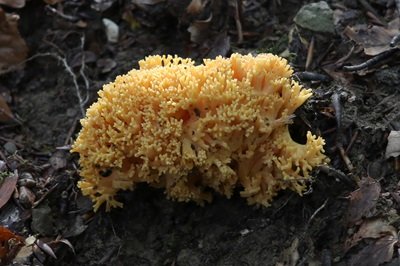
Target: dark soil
{"type": "Point", "coordinates": [356, 115]}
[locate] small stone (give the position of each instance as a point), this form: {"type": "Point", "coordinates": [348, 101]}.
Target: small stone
{"type": "Point", "coordinates": [3, 166]}
{"type": "Point", "coordinates": [317, 17]}
{"type": "Point", "coordinates": [10, 147]}
{"type": "Point", "coordinates": [26, 197]}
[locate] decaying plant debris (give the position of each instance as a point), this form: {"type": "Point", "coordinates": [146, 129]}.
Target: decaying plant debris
{"type": "Point", "coordinates": [55, 56]}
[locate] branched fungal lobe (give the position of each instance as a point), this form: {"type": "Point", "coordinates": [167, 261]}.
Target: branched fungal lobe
{"type": "Point", "coordinates": [186, 128]}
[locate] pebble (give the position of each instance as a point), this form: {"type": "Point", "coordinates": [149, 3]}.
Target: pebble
{"type": "Point", "coordinates": [10, 147]}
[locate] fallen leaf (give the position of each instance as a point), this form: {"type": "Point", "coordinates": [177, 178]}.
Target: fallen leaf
{"type": "Point", "coordinates": [373, 228]}
{"type": "Point", "coordinates": [13, 3]}
{"type": "Point", "coordinates": [375, 253]}
{"type": "Point", "coordinates": [7, 188]}
{"type": "Point", "coordinates": [45, 248]}
{"type": "Point", "coordinates": [363, 200]}
{"type": "Point", "coordinates": [13, 49]}
{"type": "Point", "coordinates": [10, 244]}
{"type": "Point", "coordinates": [5, 111]}
{"type": "Point", "coordinates": [340, 76]}
{"type": "Point", "coordinates": [375, 39]}
{"type": "Point", "coordinates": [23, 255]}
{"type": "Point", "coordinates": [393, 146]}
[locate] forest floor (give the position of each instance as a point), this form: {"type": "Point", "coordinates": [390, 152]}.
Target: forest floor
{"type": "Point", "coordinates": [55, 58]}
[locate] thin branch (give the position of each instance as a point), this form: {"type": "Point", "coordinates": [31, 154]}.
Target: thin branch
{"type": "Point", "coordinates": [373, 61]}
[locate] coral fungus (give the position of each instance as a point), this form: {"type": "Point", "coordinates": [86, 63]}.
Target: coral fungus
{"type": "Point", "coordinates": [188, 128]}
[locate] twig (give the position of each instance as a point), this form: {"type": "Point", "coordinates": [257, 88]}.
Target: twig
{"type": "Point", "coordinates": [71, 131]}
{"type": "Point", "coordinates": [345, 158]}
{"type": "Point", "coordinates": [312, 76]}
{"type": "Point", "coordinates": [82, 72]}
{"type": "Point", "coordinates": [373, 61]}
{"type": "Point", "coordinates": [74, 80]}
{"type": "Point", "coordinates": [36, 203]}
{"type": "Point", "coordinates": [333, 172]}
{"type": "Point", "coordinates": [310, 53]}
{"type": "Point", "coordinates": [283, 205]}
{"type": "Point", "coordinates": [345, 57]}
{"type": "Point", "coordinates": [315, 214]}
{"type": "Point", "coordinates": [337, 106]}
{"type": "Point", "coordinates": [353, 138]}
{"type": "Point", "coordinates": [237, 21]}
{"type": "Point", "coordinates": [68, 69]}
{"type": "Point", "coordinates": [19, 145]}
{"type": "Point", "coordinates": [62, 15]}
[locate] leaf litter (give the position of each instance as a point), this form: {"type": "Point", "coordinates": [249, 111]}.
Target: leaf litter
{"type": "Point", "coordinates": [7, 187]}
{"type": "Point", "coordinates": [374, 235]}
{"type": "Point", "coordinates": [374, 39]}
{"type": "Point", "coordinates": [13, 48]}
{"type": "Point", "coordinates": [363, 200]}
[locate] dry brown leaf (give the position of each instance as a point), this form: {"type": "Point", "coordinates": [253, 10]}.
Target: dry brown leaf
{"type": "Point", "coordinates": [363, 200]}
{"type": "Point", "coordinates": [7, 188]}
{"type": "Point", "coordinates": [375, 253]}
{"type": "Point", "coordinates": [13, 49]}
{"type": "Point", "coordinates": [393, 146]}
{"type": "Point", "coordinates": [5, 111]}
{"type": "Point", "coordinates": [339, 76]}
{"type": "Point", "coordinates": [374, 228]}
{"type": "Point", "coordinates": [13, 3]}
{"type": "Point", "coordinates": [375, 39]}
{"type": "Point", "coordinates": [10, 244]}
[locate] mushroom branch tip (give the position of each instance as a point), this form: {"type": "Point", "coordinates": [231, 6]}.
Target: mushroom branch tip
{"type": "Point", "coordinates": [191, 129]}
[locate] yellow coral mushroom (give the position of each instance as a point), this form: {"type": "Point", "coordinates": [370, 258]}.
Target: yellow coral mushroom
{"type": "Point", "coordinates": [187, 128]}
